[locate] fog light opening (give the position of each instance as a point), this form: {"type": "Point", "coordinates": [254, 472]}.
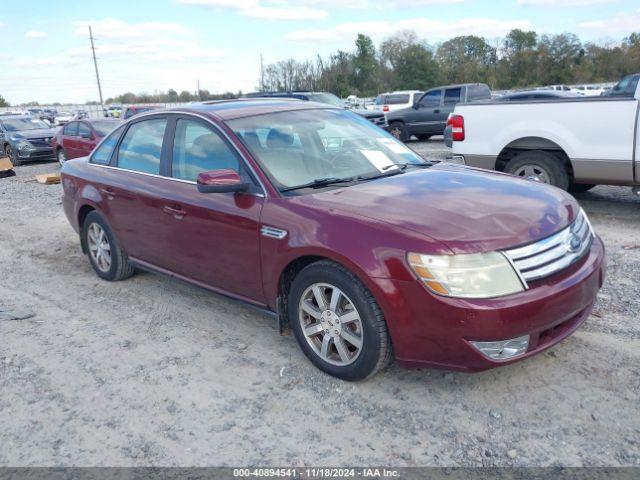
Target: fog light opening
{"type": "Point", "coordinates": [503, 349]}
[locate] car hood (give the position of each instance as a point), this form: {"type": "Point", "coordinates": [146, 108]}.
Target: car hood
{"type": "Point", "coordinates": [40, 133]}
{"type": "Point", "coordinates": [466, 209]}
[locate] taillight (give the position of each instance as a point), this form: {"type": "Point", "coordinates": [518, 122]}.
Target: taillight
{"type": "Point", "coordinates": [385, 108]}
{"type": "Point", "coordinates": [457, 127]}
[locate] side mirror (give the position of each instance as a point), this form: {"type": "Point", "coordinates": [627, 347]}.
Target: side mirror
{"type": "Point", "coordinates": [416, 105]}
{"type": "Point", "coordinates": [221, 181]}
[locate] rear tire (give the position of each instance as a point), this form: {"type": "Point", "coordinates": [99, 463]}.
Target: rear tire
{"type": "Point", "coordinates": [351, 324]}
{"type": "Point", "coordinates": [399, 130]}
{"type": "Point", "coordinates": [108, 260]}
{"type": "Point", "coordinates": [539, 166]}
{"type": "Point", "coordinates": [61, 156]}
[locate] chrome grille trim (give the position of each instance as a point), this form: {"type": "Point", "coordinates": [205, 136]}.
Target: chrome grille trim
{"type": "Point", "coordinates": [552, 254]}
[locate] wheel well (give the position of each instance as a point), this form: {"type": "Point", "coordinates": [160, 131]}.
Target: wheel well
{"type": "Point", "coordinates": [82, 215]}
{"type": "Point", "coordinates": [533, 143]}
{"type": "Point", "coordinates": [284, 285]}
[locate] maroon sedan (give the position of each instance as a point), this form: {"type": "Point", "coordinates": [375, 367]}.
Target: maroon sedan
{"type": "Point", "coordinates": [78, 138]}
{"type": "Point", "coordinates": [363, 249]}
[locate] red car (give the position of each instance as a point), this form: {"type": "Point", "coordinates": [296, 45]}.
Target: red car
{"type": "Point", "coordinates": [363, 249]}
{"type": "Point", "coordinates": [78, 138]}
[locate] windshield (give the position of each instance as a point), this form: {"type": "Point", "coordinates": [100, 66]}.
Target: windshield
{"type": "Point", "coordinates": [296, 148]}
{"type": "Point", "coordinates": [328, 98]}
{"type": "Point", "coordinates": [22, 124]}
{"type": "Point", "coordinates": [104, 127]}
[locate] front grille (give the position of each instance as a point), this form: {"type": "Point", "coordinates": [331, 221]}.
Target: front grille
{"type": "Point", "coordinates": [40, 142]}
{"type": "Point", "coordinates": [555, 253]}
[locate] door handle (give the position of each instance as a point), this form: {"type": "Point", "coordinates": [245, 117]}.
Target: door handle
{"type": "Point", "coordinates": [437, 110]}
{"type": "Point", "coordinates": [110, 194]}
{"type": "Point", "coordinates": [178, 213]}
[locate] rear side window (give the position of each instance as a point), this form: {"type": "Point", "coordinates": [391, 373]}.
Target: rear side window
{"type": "Point", "coordinates": [431, 99]}
{"type": "Point", "coordinates": [102, 155]}
{"type": "Point", "coordinates": [397, 99]}
{"type": "Point", "coordinates": [71, 129]}
{"type": "Point", "coordinates": [141, 146]}
{"type": "Point", "coordinates": [197, 148]}
{"type": "Point", "coordinates": [452, 96]}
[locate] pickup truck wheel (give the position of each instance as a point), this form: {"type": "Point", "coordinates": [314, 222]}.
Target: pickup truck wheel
{"type": "Point", "coordinates": [106, 257]}
{"type": "Point", "coordinates": [539, 166]}
{"type": "Point", "coordinates": [399, 130]}
{"type": "Point", "coordinates": [423, 138]}
{"type": "Point", "coordinates": [337, 322]}
{"type": "Point", "coordinates": [580, 187]}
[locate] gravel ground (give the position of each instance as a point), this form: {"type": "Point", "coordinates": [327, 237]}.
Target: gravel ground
{"type": "Point", "coordinates": [152, 371]}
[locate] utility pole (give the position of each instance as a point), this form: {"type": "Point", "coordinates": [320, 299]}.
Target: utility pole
{"type": "Point", "coordinates": [95, 64]}
{"type": "Point", "coordinates": [198, 91]}
{"type": "Point", "coordinates": [261, 73]}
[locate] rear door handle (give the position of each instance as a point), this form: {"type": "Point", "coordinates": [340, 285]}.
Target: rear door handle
{"type": "Point", "coordinates": [437, 110]}
{"type": "Point", "coordinates": [178, 213]}
{"type": "Point", "coordinates": [108, 192]}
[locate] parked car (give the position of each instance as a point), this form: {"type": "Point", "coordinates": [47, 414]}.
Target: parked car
{"type": "Point", "coordinates": [49, 114]}
{"type": "Point", "coordinates": [389, 102]}
{"type": "Point", "coordinates": [428, 115]}
{"type": "Point", "coordinates": [25, 138]}
{"type": "Point", "coordinates": [309, 213]}
{"type": "Point", "coordinates": [79, 138]}
{"type": "Point", "coordinates": [64, 117]}
{"type": "Point", "coordinates": [375, 117]}
{"type": "Point", "coordinates": [627, 87]}
{"type": "Point", "coordinates": [137, 110]}
{"type": "Point", "coordinates": [572, 143]}
{"type": "Point", "coordinates": [589, 90]}
{"type": "Point", "coordinates": [113, 111]}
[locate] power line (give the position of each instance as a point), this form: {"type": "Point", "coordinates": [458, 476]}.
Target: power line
{"type": "Point", "coordinates": [95, 64]}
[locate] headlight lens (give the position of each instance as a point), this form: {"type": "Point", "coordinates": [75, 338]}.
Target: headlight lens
{"type": "Point", "coordinates": [478, 275]}
{"type": "Point", "coordinates": [24, 145]}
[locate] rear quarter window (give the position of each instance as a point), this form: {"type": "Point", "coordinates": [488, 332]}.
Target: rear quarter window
{"type": "Point", "coordinates": [478, 92]}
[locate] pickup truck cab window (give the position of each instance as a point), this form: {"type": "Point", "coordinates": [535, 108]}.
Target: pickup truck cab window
{"type": "Point", "coordinates": [198, 148]}
{"type": "Point", "coordinates": [141, 146]}
{"type": "Point", "coordinates": [431, 99]}
{"type": "Point", "coordinates": [452, 96]}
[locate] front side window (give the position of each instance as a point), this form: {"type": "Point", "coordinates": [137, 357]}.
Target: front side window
{"type": "Point", "coordinates": [102, 154]}
{"type": "Point", "coordinates": [141, 146]}
{"type": "Point", "coordinates": [83, 130]}
{"type": "Point", "coordinates": [452, 96]}
{"type": "Point", "coordinates": [316, 146]}
{"type": "Point", "coordinates": [431, 99]}
{"type": "Point", "coordinates": [197, 148]}
{"type": "Point", "coordinates": [71, 129]}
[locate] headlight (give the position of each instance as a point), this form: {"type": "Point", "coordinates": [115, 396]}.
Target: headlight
{"type": "Point", "coordinates": [24, 145]}
{"type": "Point", "coordinates": [478, 275]}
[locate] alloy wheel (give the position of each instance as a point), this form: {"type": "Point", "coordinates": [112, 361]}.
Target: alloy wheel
{"type": "Point", "coordinates": [99, 247]}
{"type": "Point", "coordinates": [61, 157]}
{"type": "Point", "coordinates": [534, 173]}
{"type": "Point", "coordinates": [331, 324]}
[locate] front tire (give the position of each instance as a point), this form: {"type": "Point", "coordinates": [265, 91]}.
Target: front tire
{"type": "Point", "coordinates": [580, 187]}
{"type": "Point", "coordinates": [61, 156]}
{"type": "Point", "coordinates": [539, 166]}
{"type": "Point", "coordinates": [108, 260]}
{"type": "Point", "coordinates": [8, 151]}
{"type": "Point", "coordinates": [399, 130]}
{"type": "Point", "coordinates": [337, 322]}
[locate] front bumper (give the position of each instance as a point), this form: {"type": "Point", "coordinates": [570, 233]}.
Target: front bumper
{"type": "Point", "coordinates": [37, 154]}
{"type": "Point", "coordinates": [434, 331]}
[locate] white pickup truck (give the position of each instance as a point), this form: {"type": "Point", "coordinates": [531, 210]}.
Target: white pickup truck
{"type": "Point", "coordinates": [572, 143]}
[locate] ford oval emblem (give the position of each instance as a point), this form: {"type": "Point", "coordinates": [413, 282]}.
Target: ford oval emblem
{"type": "Point", "coordinates": [575, 242]}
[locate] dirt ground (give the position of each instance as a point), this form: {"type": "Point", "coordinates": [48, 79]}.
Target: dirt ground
{"type": "Point", "coordinates": [152, 371]}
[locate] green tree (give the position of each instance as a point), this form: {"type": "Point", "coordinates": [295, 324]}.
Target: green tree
{"type": "Point", "coordinates": [3, 102]}
{"type": "Point", "coordinates": [415, 68]}
{"type": "Point", "coordinates": [467, 59]}
{"type": "Point", "coordinates": [172, 95]}
{"type": "Point", "coordinates": [185, 96]}
{"type": "Point", "coordinates": [518, 63]}
{"type": "Point", "coordinates": [365, 66]}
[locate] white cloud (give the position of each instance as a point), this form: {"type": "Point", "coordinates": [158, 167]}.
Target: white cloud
{"type": "Point", "coordinates": [35, 34]}
{"type": "Point", "coordinates": [618, 26]}
{"type": "Point", "coordinates": [115, 28]}
{"type": "Point", "coordinates": [561, 3]}
{"type": "Point", "coordinates": [277, 10]}
{"type": "Point", "coordinates": [432, 30]}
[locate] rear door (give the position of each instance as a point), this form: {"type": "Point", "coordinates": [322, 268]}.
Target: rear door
{"type": "Point", "coordinates": [215, 237]}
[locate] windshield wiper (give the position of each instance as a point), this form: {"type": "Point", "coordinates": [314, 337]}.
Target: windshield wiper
{"type": "Point", "coordinates": [403, 166]}
{"type": "Point", "coordinates": [319, 183]}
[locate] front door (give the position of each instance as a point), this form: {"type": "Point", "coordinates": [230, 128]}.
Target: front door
{"type": "Point", "coordinates": [214, 237]}
{"type": "Point", "coordinates": [426, 118]}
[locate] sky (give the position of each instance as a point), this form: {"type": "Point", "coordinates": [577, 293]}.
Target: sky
{"type": "Point", "coordinates": [154, 45]}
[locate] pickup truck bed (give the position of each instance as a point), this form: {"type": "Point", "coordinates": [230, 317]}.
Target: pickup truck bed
{"type": "Point", "coordinates": [571, 143]}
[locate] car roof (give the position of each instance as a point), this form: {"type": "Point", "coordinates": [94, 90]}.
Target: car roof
{"type": "Point", "coordinates": [239, 108]}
